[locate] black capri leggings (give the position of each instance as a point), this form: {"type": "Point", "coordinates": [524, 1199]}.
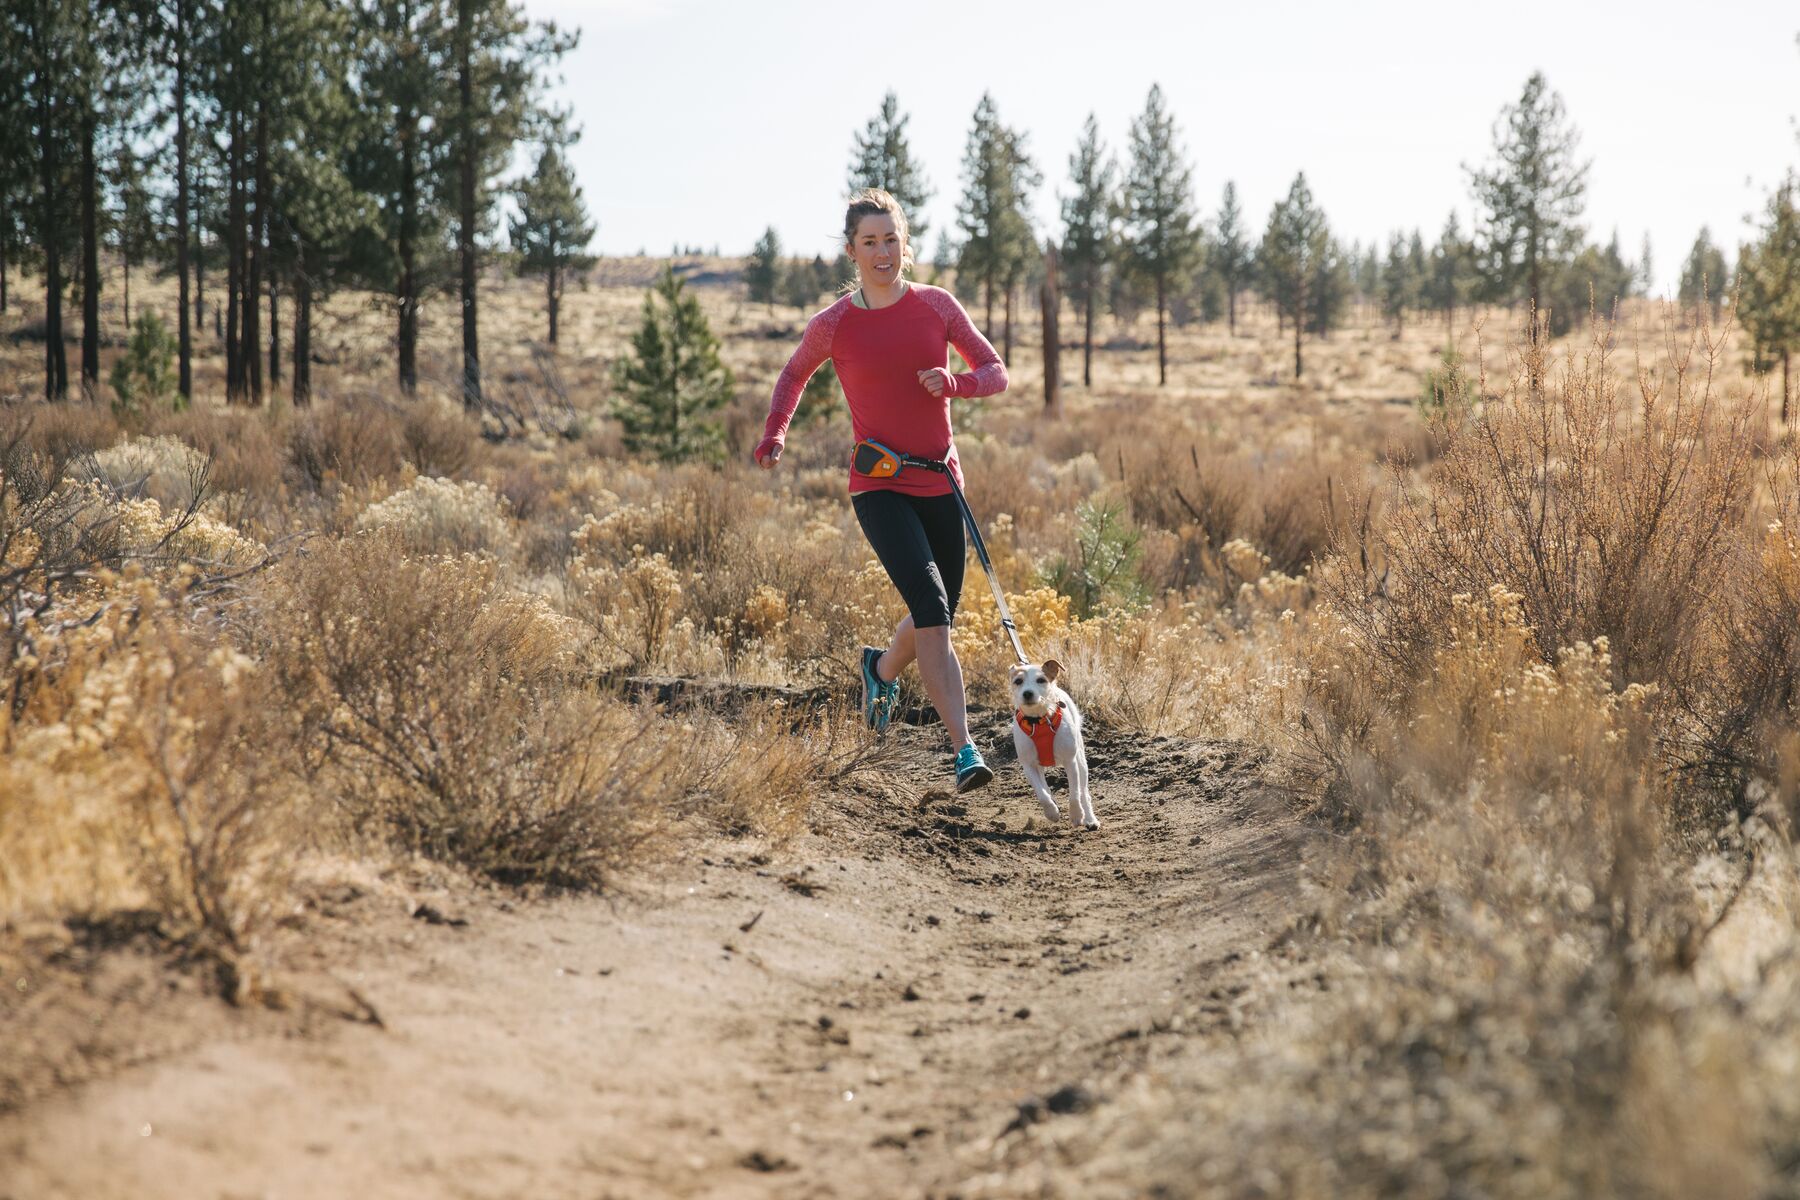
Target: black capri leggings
{"type": "Point", "coordinates": [919, 540]}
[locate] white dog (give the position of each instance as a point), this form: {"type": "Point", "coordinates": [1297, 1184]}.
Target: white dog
{"type": "Point", "coordinates": [1047, 731]}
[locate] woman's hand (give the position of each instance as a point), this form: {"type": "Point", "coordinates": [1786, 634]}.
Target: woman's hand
{"type": "Point", "coordinates": [936, 381]}
{"type": "Point", "coordinates": [767, 453]}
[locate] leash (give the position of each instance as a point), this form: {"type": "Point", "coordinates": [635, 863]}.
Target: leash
{"type": "Point", "coordinates": [876, 461]}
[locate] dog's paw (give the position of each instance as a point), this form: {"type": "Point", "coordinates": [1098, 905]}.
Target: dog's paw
{"type": "Point", "coordinates": [1092, 823]}
{"type": "Point", "coordinates": [1051, 812]}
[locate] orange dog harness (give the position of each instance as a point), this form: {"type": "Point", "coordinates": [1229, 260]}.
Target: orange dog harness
{"type": "Point", "coordinates": [1042, 732]}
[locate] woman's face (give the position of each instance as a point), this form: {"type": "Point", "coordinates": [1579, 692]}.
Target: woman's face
{"type": "Point", "coordinates": [877, 249]}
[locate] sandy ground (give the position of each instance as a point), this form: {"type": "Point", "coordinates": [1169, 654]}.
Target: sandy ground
{"type": "Point", "coordinates": [894, 1004]}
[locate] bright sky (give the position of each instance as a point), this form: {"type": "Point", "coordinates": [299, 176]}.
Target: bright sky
{"type": "Point", "coordinates": [708, 120]}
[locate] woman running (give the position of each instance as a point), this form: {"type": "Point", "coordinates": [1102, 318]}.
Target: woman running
{"type": "Point", "coordinates": [886, 339]}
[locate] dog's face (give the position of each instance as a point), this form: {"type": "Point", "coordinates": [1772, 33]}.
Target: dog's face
{"type": "Point", "coordinates": [1034, 688]}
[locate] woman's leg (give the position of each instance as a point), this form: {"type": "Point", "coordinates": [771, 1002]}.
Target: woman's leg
{"type": "Point", "coordinates": [900, 652]}
{"type": "Point", "coordinates": [943, 679]}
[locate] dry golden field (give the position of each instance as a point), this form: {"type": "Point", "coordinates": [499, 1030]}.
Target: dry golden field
{"type": "Point", "coordinates": [1448, 764]}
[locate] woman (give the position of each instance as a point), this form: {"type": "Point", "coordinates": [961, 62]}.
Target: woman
{"type": "Point", "coordinates": [886, 339]}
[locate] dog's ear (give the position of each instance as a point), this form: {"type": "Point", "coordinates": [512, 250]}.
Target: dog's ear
{"type": "Point", "coordinates": [1052, 669]}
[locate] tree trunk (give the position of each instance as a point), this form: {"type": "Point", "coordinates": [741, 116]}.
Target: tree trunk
{"type": "Point", "coordinates": [465, 236]}
{"type": "Point", "coordinates": [254, 255]}
{"type": "Point", "coordinates": [185, 379]}
{"type": "Point", "coordinates": [90, 255]}
{"type": "Point", "coordinates": [1052, 304]}
{"type": "Point", "coordinates": [56, 363]}
{"type": "Point", "coordinates": [552, 283]}
{"type": "Point", "coordinates": [407, 295]}
{"type": "Point", "coordinates": [1231, 310]}
{"type": "Point", "coordinates": [1006, 337]}
{"type": "Point", "coordinates": [1299, 319]}
{"type": "Point", "coordinates": [234, 263]}
{"type": "Point", "coordinates": [1785, 391]}
{"type": "Point", "coordinates": [199, 268]}
{"type": "Point", "coordinates": [125, 258]}
{"type": "Point", "coordinates": [4, 251]}
{"type": "Point", "coordinates": [1087, 334]}
{"type": "Point", "coordinates": [1162, 353]}
{"type": "Point", "coordinates": [302, 331]}
{"type": "Point", "coordinates": [274, 335]}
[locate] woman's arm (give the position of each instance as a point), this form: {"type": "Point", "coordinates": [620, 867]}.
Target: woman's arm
{"type": "Point", "coordinates": [986, 375]}
{"type": "Point", "coordinates": [814, 349]}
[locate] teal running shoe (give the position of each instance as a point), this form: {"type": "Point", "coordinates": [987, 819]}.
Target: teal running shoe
{"type": "Point", "coordinates": [880, 698]}
{"type": "Point", "coordinates": [971, 772]}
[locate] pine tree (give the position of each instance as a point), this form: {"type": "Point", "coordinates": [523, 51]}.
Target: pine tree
{"type": "Point", "coordinates": [1018, 244]}
{"type": "Point", "coordinates": [1769, 288]}
{"type": "Point", "coordinates": [135, 233]}
{"type": "Point", "coordinates": [1646, 268]}
{"type": "Point", "coordinates": [320, 224]}
{"type": "Point", "coordinates": [1296, 253]}
{"type": "Point", "coordinates": [1450, 278]}
{"type": "Point", "coordinates": [1159, 229]}
{"type": "Point", "coordinates": [1088, 234]}
{"type": "Point", "coordinates": [764, 270]}
{"type": "Point", "coordinates": [1233, 257]}
{"type": "Point", "coordinates": [673, 379]}
{"type": "Point", "coordinates": [98, 86]}
{"type": "Point", "coordinates": [46, 58]}
{"type": "Point", "coordinates": [403, 157]}
{"type": "Point", "coordinates": [1531, 197]}
{"type": "Point", "coordinates": [1594, 281]}
{"type": "Point", "coordinates": [16, 159]}
{"type": "Point", "coordinates": [800, 284]}
{"type": "Point", "coordinates": [997, 178]}
{"type": "Point", "coordinates": [499, 60]}
{"type": "Point", "coordinates": [1330, 291]}
{"type": "Point", "coordinates": [551, 231]}
{"type": "Point", "coordinates": [1399, 283]}
{"type": "Point", "coordinates": [881, 157]}
{"type": "Point", "coordinates": [1704, 277]}
{"type": "Point", "coordinates": [172, 39]}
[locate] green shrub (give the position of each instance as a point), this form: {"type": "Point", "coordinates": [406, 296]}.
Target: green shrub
{"type": "Point", "coordinates": [142, 378]}
{"type": "Point", "coordinates": [1104, 573]}
{"type": "Point", "coordinates": [1444, 385]}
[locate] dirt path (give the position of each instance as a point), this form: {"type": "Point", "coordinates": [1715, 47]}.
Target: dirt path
{"type": "Point", "coordinates": [924, 979]}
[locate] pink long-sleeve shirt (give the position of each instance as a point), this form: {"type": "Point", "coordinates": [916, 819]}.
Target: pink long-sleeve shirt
{"type": "Point", "coordinates": [879, 353]}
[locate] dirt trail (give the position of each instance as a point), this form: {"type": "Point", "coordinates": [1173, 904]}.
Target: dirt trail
{"type": "Point", "coordinates": [925, 976]}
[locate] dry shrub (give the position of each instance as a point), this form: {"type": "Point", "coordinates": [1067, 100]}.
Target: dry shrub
{"type": "Point", "coordinates": [1517, 1008]}
{"type": "Point", "coordinates": [421, 687]}
{"type": "Point", "coordinates": [1740, 707]}
{"type": "Point", "coordinates": [443, 714]}
{"type": "Point", "coordinates": [65, 431]}
{"type": "Point", "coordinates": [145, 769]}
{"type": "Point", "coordinates": [439, 437]}
{"type": "Point", "coordinates": [718, 576]}
{"type": "Point", "coordinates": [346, 442]}
{"type": "Point", "coordinates": [161, 468]}
{"type": "Point", "coordinates": [244, 448]}
{"type": "Point", "coordinates": [55, 531]}
{"type": "Point", "coordinates": [441, 516]}
{"type": "Point", "coordinates": [761, 770]}
{"type": "Point", "coordinates": [691, 519]}
{"type": "Point", "coordinates": [1608, 519]}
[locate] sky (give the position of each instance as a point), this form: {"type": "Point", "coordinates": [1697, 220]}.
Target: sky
{"type": "Point", "coordinates": [706, 121]}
